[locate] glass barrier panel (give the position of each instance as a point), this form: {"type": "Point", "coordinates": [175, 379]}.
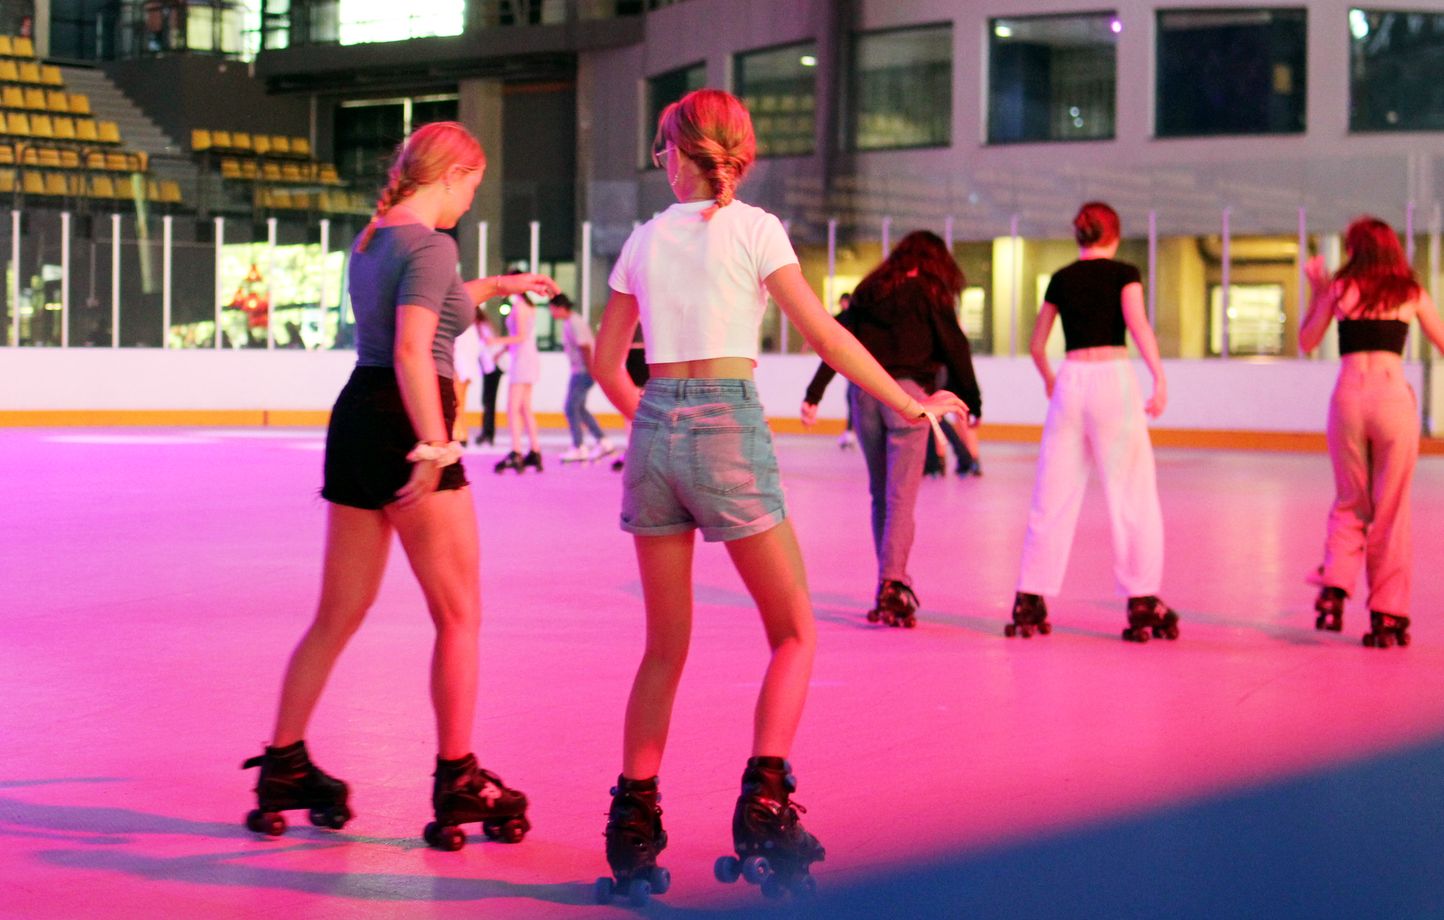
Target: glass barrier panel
{"type": "Point", "coordinates": [193, 285]}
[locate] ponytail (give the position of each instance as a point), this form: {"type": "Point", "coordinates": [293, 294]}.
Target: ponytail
{"type": "Point", "coordinates": [714, 130]}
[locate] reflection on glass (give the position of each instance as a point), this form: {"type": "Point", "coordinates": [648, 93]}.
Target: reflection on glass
{"type": "Point", "coordinates": [364, 21]}
{"type": "Point", "coordinates": [1396, 60]}
{"type": "Point", "coordinates": [1052, 78]}
{"type": "Point", "coordinates": [1231, 72]}
{"type": "Point", "coordinates": [1256, 319]}
{"type": "Point", "coordinates": [779, 87]}
{"type": "Point", "coordinates": [903, 88]}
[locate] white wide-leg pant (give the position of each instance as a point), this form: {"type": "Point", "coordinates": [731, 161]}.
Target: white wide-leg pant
{"type": "Point", "coordinates": [1096, 415]}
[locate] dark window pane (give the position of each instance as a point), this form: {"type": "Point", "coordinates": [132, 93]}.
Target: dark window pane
{"type": "Point", "coordinates": [1231, 72]}
{"type": "Point", "coordinates": [1397, 72]}
{"type": "Point", "coordinates": [366, 136]}
{"type": "Point", "coordinates": [779, 87]}
{"type": "Point", "coordinates": [903, 89]}
{"type": "Point", "coordinates": [663, 90]}
{"type": "Point", "coordinates": [1052, 78]}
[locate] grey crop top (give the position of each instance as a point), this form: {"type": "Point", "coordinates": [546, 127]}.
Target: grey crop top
{"type": "Point", "coordinates": [407, 264]}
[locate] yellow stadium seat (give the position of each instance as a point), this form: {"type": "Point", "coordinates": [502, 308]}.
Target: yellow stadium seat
{"type": "Point", "coordinates": [241, 140]}
{"type": "Point", "coordinates": [50, 75]}
{"type": "Point", "coordinates": [69, 159]}
{"type": "Point", "coordinates": [17, 123]}
{"type": "Point", "coordinates": [170, 191]}
{"type": "Point", "coordinates": [32, 183]}
{"type": "Point", "coordinates": [9, 71]}
{"type": "Point", "coordinates": [109, 132]}
{"type": "Point", "coordinates": [200, 139]}
{"type": "Point", "coordinates": [7, 181]}
{"type": "Point", "coordinates": [280, 144]}
{"type": "Point", "coordinates": [6, 49]}
{"type": "Point", "coordinates": [101, 187]}
{"type": "Point", "coordinates": [329, 175]}
{"type": "Point", "coordinates": [140, 161]}
{"type": "Point", "coordinates": [64, 127]}
{"type": "Point", "coordinates": [279, 199]}
{"type": "Point", "coordinates": [95, 160]}
{"type": "Point", "coordinates": [12, 97]}
{"type": "Point", "coordinates": [56, 185]}
{"type": "Point", "coordinates": [152, 190]}
{"type": "Point", "coordinates": [79, 103]}
{"type": "Point", "coordinates": [124, 190]}
{"type": "Point", "coordinates": [270, 172]}
{"type": "Point", "coordinates": [85, 130]}
{"type": "Point", "coordinates": [22, 46]}
{"type": "Point", "coordinates": [7, 155]}
{"type": "Point", "coordinates": [31, 156]}
{"type": "Point", "coordinates": [35, 98]}
{"type": "Point", "coordinates": [221, 140]}
{"type": "Point", "coordinates": [57, 101]}
{"type": "Point", "coordinates": [48, 157]}
{"type": "Point", "coordinates": [300, 147]}
{"type": "Point", "coordinates": [29, 72]}
{"type": "Point", "coordinates": [261, 144]}
{"type": "Point", "coordinates": [230, 169]}
{"type": "Point", "coordinates": [40, 125]}
{"type": "Point", "coordinates": [249, 171]}
{"type": "Point", "coordinates": [291, 172]}
{"type": "Point", "coordinates": [117, 162]}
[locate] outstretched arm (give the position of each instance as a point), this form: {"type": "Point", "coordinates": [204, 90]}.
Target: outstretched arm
{"type": "Point", "coordinates": [841, 350]}
{"type": "Point", "coordinates": [614, 340]}
{"type": "Point", "coordinates": [1321, 305]}
{"type": "Point", "coordinates": [1135, 317]}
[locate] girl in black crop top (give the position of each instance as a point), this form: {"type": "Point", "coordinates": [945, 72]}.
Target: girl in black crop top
{"type": "Point", "coordinates": [1373, 428]}
{"type": "Point", "coordinates": [1096, 417]}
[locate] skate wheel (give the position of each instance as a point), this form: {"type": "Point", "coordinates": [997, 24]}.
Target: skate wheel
{"type": "Point", "coordinates": [1043, 630]}
{"type": "Point", "coordinates": [773, 888]}
{"type": "Point", "coordinates": [1171, 633]}
{"type": "Point", "coordinates": [604, 890]}
{"type": "Point", "coordinates": [1010, 630]}
{"type": "Point", "coordinates": [727, 869]}
{"type": "Point", "coordinates": [755, 869]}
{"type": "Point", "coordinates": [873, 616]}
{"type": "Point", "coordinates": [1403, 639]}
{"type": "Point", "coordinates": [639, 892]}
{"type": "Point", "coordinates": [270, 823]}
{"type": "Point", "coordinates": [1320, 622]}
{"type": "Point", "coordinates": [448, 838]}
{"type": "Point", "coordinates": [333, 816]}
{"type": "Point", "coordinates": [910, 623]}
{"type": "Point", "coordinates": [1026, 631]}
{"type": "Point", "coordinates": [1368, 640]}
{"type": "Point", "coordinates": [661, 880]}
{"type": "Point", "coordinates": [510, 831]}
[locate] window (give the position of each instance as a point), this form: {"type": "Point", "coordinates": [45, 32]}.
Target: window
{"type": "Point", "coordinates": [779, 87]}
{"type": "Point", "coordinates": [663, 90]}
{"type": "Point", "coordinates": [1396, 62]}
{"type": "Point", "coordinates": [1256, 319]}
{"type": "Point", "coordinates": [903, 88]}
{"type": "Point", "coordinates": [1052, 78]}
{"type": "Point", "coordinates": [367, 132]}
{"type": "Point", "coordinates": [1230, 72]}
{"type": "Point", "coordinates": [363, 21]}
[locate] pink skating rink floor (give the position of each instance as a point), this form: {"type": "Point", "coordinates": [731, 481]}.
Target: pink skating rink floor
{"type": "Point", "coordinates": [152, 583]}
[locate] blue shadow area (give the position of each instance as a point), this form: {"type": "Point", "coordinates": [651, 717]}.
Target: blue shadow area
{"type": "Point", "coordinates": [1363, 839]}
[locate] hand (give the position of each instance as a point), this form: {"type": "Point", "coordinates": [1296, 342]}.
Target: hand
{"type": "Point", "coordinates": [425, 476]}
{"type": "Point", "coordinates": [974, 421]}
{"type": "Point", "coordinates": [1317, 272]}
{"type": "Point", "coordinates": [809, 414]}
{"type": "Point", "coordinates": [1154, 407]}
{"type": "Point", "coordinates": [942, 402]}
{"type": "Point", "coordinates": [526, 284]}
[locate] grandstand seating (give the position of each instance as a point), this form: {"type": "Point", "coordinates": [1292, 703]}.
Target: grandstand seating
{"type": "Point", "coordinates": [280, 171]}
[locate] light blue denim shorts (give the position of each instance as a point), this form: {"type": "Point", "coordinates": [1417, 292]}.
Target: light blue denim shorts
{"type": "Point", "coordinates": [700, 457]}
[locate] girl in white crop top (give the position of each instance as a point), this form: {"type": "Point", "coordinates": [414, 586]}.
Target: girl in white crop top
{"type": "Point", "coordinates": [697, 277]}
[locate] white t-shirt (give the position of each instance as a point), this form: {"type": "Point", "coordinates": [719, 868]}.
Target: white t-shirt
{"type": "Point", "coordinates": [576, 334]}
{"type": "Point", "coordinates": [698, 283]}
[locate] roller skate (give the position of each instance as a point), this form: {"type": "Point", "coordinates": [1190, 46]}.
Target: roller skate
{"type": "Point", "coordinates": [634, 838]}
{"type": "Point", "coordinates": [1386, 629]}
{"type": "Point", "coordinates": [602, 449]}
{"type": "Point", "coordinates": [1030, 615]}
{"type": "Point", "coordinates": [1330, 608]}
{"type": "Point", "coordinates": [512, 461]}
{"type": "Point", "coordinates": [1149, 615]}
{"type": "Point", "coordinates": [464, 792]}
{"type": "Point", "coordinates": [289, 781]}
{"type": "Point", "coordinates": [576, 455]}
{"type": "Point", "coordinates": [532, 459]}
{"type": "Point", "coordinates": [896, 605]}
{"type": "Point", "coordinates": [773, 849]}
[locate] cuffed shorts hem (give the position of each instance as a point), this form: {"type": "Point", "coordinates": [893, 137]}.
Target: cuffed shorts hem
{"type": "Point", "coordinates": [711, 534]}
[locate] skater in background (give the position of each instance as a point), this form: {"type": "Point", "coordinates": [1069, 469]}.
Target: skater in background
{"type": "Point", "coordinates": [391, 467]}
{"type": "Point", "coordinates": [523, 365]}
{"type": "Point", "coordinates": [1373, 429]}
{"type": "Point", "coordinates": [700, 457]}
{"type": "Point", "coordinates": [465, 359]}
{"type": "Point", "coordinates": [488, 358]}
{"type": "Point", "coordinates": [904, 314]}
{"type": "Point", "coordinates": [1096, 416]}
{"type": "Point", "coordinates": [577, 343]}
{"type": "Point", "coordinates": [963, 437]}
{"type": "Point", "coordinates": [848, 438]}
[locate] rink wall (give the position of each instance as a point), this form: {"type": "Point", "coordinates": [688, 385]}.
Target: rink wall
{"type": "Point", "coordinates": [1235, 402]}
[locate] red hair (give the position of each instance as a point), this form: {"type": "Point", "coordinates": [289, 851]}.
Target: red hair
{"type": "Point", "coordinates": [422, 158]}
{"type": "Point", "coordinates": [920, 257]}
{"type": "Point", "coordinates": [1377, 266]}
{"type": "Point", "coordinates": [714, 130]}
{"type": "Point", "coordinates": [1096, 224]}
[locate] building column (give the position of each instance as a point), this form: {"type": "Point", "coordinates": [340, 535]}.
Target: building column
{"type": "Point", "coordinates": [479, 109]}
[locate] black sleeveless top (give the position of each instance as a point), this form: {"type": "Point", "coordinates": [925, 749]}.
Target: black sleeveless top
{"type": "Point", "coordinates": [1089, 298]}
{"type": "Point", "coordinates": [1357, 335]}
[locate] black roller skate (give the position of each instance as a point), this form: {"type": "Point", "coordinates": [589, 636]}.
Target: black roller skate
{"type": "Point", "coordinates": [463, 793]}
{"type": "Point", "coordinates": [1030, 615]}
{"type": "Point", "coordinates": [512, 461]}
{"type": "Point", "coordinates": [634, 838]}
{"type": "Point", "coordinates": [773, 849]}
{"type": "Point", "coordinates": [532, 459]}
{"type": "Point", "coordinates": [1330, 608]}
{"type": "Point", "coordinates": [896, 605]}
{"type": "Point", "coordinates": [1386, 629]}
{"type": "Point", "coordinates": [289, 781]}
{"type": "Point", "coordinates": [1147, 615]}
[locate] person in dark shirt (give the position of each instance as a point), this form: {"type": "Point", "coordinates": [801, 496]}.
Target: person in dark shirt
{"type": "Point", "coordinates": [905, 314]}
{"type": "Point", "coordinates": [1095, 413]}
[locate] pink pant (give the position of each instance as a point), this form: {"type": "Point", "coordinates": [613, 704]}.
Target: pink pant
{"type": "Point", "coordinates": [1373, 443]}
{"type": "Point", "coordinates": [1096, 414]}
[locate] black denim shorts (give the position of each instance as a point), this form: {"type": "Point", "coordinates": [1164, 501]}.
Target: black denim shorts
{"type": "Point", "coordinates": [370, 435]}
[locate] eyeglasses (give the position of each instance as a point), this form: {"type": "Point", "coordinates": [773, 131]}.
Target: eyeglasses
{"type": "Point", "coordinates": [659, 154]}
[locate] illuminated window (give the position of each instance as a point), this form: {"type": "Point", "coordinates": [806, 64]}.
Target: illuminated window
{"type": "Point", "coordinates": [1256, 319]}
{"type": "Point", "coordinates": [779, 87]}
{"type": "Point", "coordinates": [1052, 78]}
{"type": "Point", "coordinates": [363, 21]}
{"type": "Point", "coordinates": [1396, 59]}
{"type": "Point", "coordinates": [903, 88]}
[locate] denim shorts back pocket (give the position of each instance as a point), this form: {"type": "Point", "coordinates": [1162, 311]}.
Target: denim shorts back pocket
{"type": "Point", "coordinates": [723, 458]}
{"type": "Point", "coordinates": [639, 448]}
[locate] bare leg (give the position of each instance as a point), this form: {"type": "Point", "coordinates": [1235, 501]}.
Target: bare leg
{"type": "Point", "coordinates": [513, 413]}
{"type": "Point", "coordinates": [357, 542]}
{"type": "Point", "coordinates": [439, 536]}
{"type": "Point", "coordinates": [665, 564]}
{"type": "Point", "coordinates": [770, 564]}
{"type": "Point", "coordinates": [528, 415]}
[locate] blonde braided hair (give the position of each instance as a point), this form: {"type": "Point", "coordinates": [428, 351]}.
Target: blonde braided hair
{"type": "Point", "coordinates": [714, 130]}
{"type": "Point", "coordinates": [422, 158]}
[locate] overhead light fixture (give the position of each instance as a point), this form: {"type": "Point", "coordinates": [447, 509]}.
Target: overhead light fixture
{"type": "Point", "coordinates": [1359, 24]}
{"type": "Point", "coordinates": [1116, 25]}
{"type": "Point", "coordinates": [808, 60]}
{"type": "Point", "coordinates": [1003, 31]}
